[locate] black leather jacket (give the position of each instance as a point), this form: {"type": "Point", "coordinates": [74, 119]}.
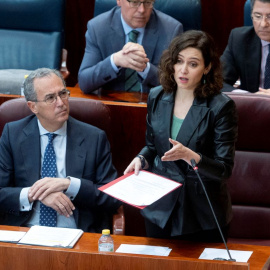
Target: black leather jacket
{"type": "Point", "coordinates": [210, 128]}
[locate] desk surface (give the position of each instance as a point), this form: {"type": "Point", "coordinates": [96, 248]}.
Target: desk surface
{"type": "Point", "coordinates": [108, 97]}
{"type": "Point", "coordinates": [85, 255]}
{"type": "Point", "coordinates": [113, 97]}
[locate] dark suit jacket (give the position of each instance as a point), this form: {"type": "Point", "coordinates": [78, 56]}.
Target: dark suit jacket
{"type": "Point", "coordinates": [105, 36]}
{"type": "Point", "coordinates": [210, 128]}
{"type": "Point", "coordinates": [242, 59]}
{"type": "Point", "coordinates": [88, 157]}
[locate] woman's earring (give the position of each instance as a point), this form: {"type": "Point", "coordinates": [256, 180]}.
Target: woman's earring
{"type": "Point", "coordinates": [204, 81]}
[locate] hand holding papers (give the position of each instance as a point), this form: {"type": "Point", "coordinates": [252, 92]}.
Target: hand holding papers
{"type": "Point", "coordinates": [140, 190]}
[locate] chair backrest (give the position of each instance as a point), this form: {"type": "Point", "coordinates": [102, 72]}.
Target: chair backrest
{"type": "Point", "coordinates": [188, 12]}
{"type": "Point", "coordinates": [32, 33]}
{"type": "Point", "coordinates": [247, 14]}
{"type": "Point", "coordinates": [250, 181]}
{"type": "Point", "coordinates": [90, 111]}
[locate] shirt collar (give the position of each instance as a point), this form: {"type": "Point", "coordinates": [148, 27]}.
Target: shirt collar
{"type": "Point", "coordinates": [61, 131]}
{"type": "Point", "coordinates": [127, 28]}
{"type": "Point", "coordinates": [265, 43]}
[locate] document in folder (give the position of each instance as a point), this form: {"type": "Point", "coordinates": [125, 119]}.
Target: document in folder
{"type": "Point", "coordinates": [51, 237]}
{"type": "Point", "coordinates": [140, 190]}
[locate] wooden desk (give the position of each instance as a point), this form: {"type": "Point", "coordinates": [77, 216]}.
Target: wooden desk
{"type": "Point", "coordinates": [108, 96]}
{"type": "Point", "coordinates": [4, 97]}
{"type": "Point", "coordinates": [85, 255]}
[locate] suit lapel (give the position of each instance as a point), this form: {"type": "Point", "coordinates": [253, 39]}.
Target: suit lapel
{"type": "Point", "coordinates": [117, 34]}
{"type": "Point", "coordinates": [166, 105]}
{"type": "Point", "coordinates": [150, 37]}
{"type": "Point", "coordinates": [253, 66]}
{"type": "Point", "coordinates": [30, 149]}
{"type": "Point", "coordinates": [194, 117]}
{"type": "Point", "coordinates": [75, 154]}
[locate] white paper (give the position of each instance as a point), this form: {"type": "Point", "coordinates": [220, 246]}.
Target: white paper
{"type": "Point", "coordinates": [142, 189]}
{"type": "Point", "coordinates": [144, 249]}
{"type": "Point", "coordinates": [51, 236]}
{"type": "Point", "coordinates": [11, 236]}
{"type": "Point", "coordinates": [239, 256]}
{"type": "Point", "coordinates": [240, 91]}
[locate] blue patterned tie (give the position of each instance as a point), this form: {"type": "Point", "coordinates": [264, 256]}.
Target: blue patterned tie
{"type": "Point", "coordinates": [132, 83]}
{"type": "Point", "coordinates": [48, 216]}
{"type": "Point", "coordinates": [267, 71]}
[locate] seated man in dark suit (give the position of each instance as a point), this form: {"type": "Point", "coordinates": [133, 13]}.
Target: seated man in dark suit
{"type": "Point", "coordinates": [115, 61]}
{"type": "Point", "coordinates": [247, 53]}
{"type": "Point", "coordinates": [51, 164]}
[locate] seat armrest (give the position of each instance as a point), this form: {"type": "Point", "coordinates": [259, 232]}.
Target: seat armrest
{"type": "Point", "coordinates": [119, 221]}
{"type": "Point", "coordinates": [63, 69]}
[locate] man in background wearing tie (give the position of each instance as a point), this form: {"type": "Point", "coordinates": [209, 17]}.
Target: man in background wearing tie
{"type": "Point", "coordinates": [51, 165]}
{"type": "Point", "coordinates": [124, 46]}
{"type": "Point", "coordinates": [246, 56]}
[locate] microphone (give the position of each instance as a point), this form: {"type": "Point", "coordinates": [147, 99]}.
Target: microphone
{"type": "Point", "coordinates": [195, 168]}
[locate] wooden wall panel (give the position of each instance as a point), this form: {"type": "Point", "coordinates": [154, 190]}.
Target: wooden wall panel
{"type": "Point", "coordinates": [219, 17]}
{"type": "Point", "coordinates": [78, 13]}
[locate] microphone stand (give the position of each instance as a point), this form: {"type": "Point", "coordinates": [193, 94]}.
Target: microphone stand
{"type": "Point", "coordinates": [195, 168]}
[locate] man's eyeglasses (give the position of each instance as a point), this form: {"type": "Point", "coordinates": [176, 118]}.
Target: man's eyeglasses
{"type": "Point", "coordinates": [136, 4]}
{"type": "Point", "coordinates": [259, 17]}
{"type": "Point", "coordinates": [51, 99]}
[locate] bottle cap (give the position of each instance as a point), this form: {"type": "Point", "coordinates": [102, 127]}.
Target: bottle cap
{"type": "Point", "coordinates": [106, 231]}
{"type": "Point", "coordinates": [25, 76]}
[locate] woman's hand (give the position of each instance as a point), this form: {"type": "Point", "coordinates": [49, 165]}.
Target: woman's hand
{"type": "Point", "coordinates": [179, 151]}
{"type": "Point", "coordinates": [136, 166]}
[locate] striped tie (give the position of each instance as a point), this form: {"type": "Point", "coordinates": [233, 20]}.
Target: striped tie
{"type": "Point", "coordinates": [132, 83]}
{"type": "Point", "coordinates": [267, 71]}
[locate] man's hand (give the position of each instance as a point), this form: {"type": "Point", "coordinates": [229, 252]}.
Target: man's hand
{"type": "Point", "coordinates": [263, 91]}
{"type": "Point", "coordinates": [43, 187]}
{"type": "Point", "coordinates": [60, 203]}
{"type": "Point", "coordinates": [131, 56]}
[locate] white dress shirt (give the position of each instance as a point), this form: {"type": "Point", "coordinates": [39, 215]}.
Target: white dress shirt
{"type": "Point", "coordinates": [59, 144]}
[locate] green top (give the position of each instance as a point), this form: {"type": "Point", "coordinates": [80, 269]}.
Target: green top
{"type": "Point", "coordinates": [176, 125]}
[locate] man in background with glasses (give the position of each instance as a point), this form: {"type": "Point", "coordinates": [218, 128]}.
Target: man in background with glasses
{"type": "Point", "coordinates": [246, 55]}
{"type": "Point", "coordinates": [109, 51]}
{"type": "Point", "coordinates": [80, 158]}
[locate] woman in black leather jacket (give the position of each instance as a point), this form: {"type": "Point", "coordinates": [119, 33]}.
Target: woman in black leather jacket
{"type": "Point", "coordinates": [189, 118]}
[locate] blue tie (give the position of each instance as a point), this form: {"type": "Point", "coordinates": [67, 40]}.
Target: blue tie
{"type": "Point", "coordinates": [267, 71]}
{"type": "Point", "coordinates": [48, 216]}
{"type": "Point", "coordinates": [132, 83]}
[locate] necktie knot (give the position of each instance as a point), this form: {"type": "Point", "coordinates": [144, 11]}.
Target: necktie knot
{"type": "Point", "coordinates": [132, 36]}
{"type": "Point", "coordinates": [51, 136]}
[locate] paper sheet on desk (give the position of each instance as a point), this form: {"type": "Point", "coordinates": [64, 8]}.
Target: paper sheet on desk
{"type": "Point", "coordinates": [140, 190]}
{"type": "Point", "coordinates": [211, 253]}
{"type": "Point", "coordinates": [11, 236]}
{"type": "Point", "coordinates": [51, 236]}
{"type": "Point", "coordinates": [144, 249]}
{"type": "Point", "coordinates": [240, 91]}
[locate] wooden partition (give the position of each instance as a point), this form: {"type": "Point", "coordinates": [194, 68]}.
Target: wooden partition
{"type": "Point", "coordinates": [85, 256]}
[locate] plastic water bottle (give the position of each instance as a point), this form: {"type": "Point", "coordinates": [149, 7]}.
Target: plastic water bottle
{"type": "Point", "coordinates": [105, 242]}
